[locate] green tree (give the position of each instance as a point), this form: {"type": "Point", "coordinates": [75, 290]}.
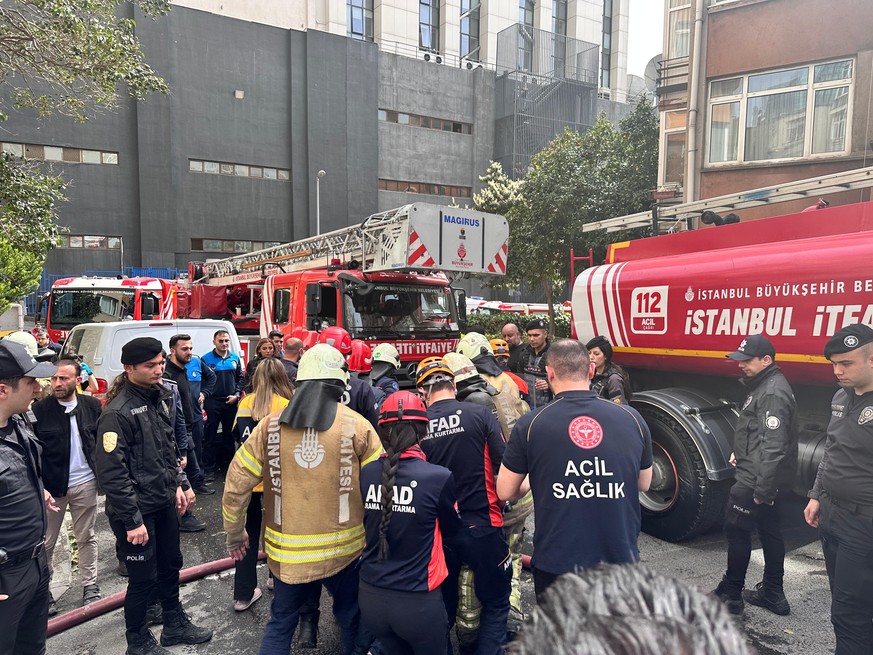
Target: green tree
{"type": "Point", "coordinates": [499, 193]}
{"type": "Point", "coordinates": [576, 179]}
{"type": "Point", "coordinates": [71, 57]}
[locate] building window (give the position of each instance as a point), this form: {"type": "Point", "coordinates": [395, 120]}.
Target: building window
{"type": "Point", "coordinates": [429, 25]}
{"type": "Point", "coordinates": [230, 246]}
{"type": "Point", "coordinates": [783, 114]}
{"type": "Point", "coordinates": [675, 123]}
{"type": "Point", "coordinates": [678, 28]}
{"type": "Point", "coordinates": [559, 29]}
{"type": "Point", "coordinates": [90, 241]}
{"type": "Point", "coordinates": [427, 188]}
{"type": "Point", "coordinates": [427, 122]}
{"type": "Point", "coordinates": [237, 170]}
{"type": "Point", "coordinates": [525, 34]}
{"type": "Point", "coordinates": [606, 46]}
{"type": "Point", "coordinates": [60, 154]}
{"type": "Point", "coordinates": [470, 29]}
{"type": "Point", "coordinates": [359, 18]}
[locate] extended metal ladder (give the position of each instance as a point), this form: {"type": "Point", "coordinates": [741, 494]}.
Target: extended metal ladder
{"type": "Point", "coordinates": [810, 187]}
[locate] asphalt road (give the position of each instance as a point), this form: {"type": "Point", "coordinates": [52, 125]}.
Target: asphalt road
{"type": "Point", "coordinates": [700, 562]}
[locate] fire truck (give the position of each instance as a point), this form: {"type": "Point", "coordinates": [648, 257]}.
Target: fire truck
{"type": "Point", "coordinates": [385, 280]}
{"type": "Point", "coordinates": [674, 305]}
{"type": "Point", "coordinates": [87, 299]}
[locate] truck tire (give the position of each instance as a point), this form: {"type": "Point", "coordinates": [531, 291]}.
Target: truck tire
{"type": "Point", "coordinates": [682, 502]}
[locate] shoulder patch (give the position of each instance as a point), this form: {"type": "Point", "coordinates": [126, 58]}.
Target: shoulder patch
{"type": "Point", "coordinates": [110, 441]}
{"type": "Point", "coordinates": [748, 402]}
{"type": "Point", "coordinates": [773, 422]}
{"type": "Point", "coordinates": [866, 415]}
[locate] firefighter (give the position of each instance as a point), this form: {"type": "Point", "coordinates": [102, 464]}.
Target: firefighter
{"type": "Point", "coordinates": [409, 509]}
{"type": "Point", "coordinates": [765, 457]}
{"type": "Point", "coordinates": [466, 439]}
{"type": "Point", "coordinates": [361, 364]}
{"type": "Point", "coordinates": [386, 362]}
{"type": "Point", "coordinates": [610, 380]}
{"type": "Point", "coordinates": [360, 395]}
{"type": "Point", "coordinates": [510, 408]}
{"type": "Point", "coordinates": [316, 447]}
{"type": "Point", "coordinates": [533, 360]}
{"type": "Point", "coordinates": [841, 500]}
{"type": "Point", "coordinates": [503, 354]}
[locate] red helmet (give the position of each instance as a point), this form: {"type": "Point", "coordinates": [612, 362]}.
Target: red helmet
{"type": "Point", "coordinates": [337, 337]}
{"type": "Point", "coordinates": [402, 406]}
{"type": "Point", "coordinates": [308, 337]}
{"type": "Point", "coordinates": [361, 359]}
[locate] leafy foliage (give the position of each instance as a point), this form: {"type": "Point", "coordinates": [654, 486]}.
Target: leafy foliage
{"type": "Point", "coordinates": [499, 194]}
{"type": "Point", "coordinates": [58, 56]}
{"type": "Point", "coordinates": [576, 179]}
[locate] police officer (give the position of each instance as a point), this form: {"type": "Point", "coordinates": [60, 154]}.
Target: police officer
{"type": "Point", "coordinates": [466, 439]}
{"type": "Point", "coordinates": [532, 363]}
{"type": "Point", "coordinates": [586, 459]}
{"type": "Point", "coordinates": [24, 576]}
{"type": "Point", "coordinates": [841, 504]}
{"type": "Point", "coordinates": [137, 465]}
{"type": "Point", "coordinates": [765, 456]}
{"type": "Point", "coordinates": [409, 508]}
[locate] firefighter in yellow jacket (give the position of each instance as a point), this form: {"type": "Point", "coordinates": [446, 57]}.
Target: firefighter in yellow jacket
{"type": "Point", "coordinates": [309, 457]}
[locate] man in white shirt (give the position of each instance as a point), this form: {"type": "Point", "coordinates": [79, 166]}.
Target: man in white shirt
{"type": "Point", "coordinates": [66, 424]}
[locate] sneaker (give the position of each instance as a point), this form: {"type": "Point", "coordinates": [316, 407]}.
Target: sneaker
{"type": "Point", "coordinates": [190, 523]}
{"type": "Point", "coordinates": [90, 594]}
{"type": "Point", "coordinates": [733, 600]}
{"type": "Point", "coordinates": [178, 629]}
{"type": "Point", "coordinates": [203, 490]}
{"type": "Point", "coordinates": [243, 605]}
{"type": "Point", "coordinates": [772, 599]}
{"type": "Point", "coordinates": [53, 606]}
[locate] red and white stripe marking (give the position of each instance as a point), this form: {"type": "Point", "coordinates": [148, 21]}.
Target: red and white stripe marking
{"type": "Point", "coordinates": [418, 254]}
{"type": "Point", "coordinates": [499, 263]}
{"type": "Point", "coordinates": [596, 305]}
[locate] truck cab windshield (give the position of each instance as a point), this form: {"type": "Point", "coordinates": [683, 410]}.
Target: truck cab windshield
{"type": "Point", "coordinates": [70, 307]}
{"type": "Point", "coordinates": [400, 310]}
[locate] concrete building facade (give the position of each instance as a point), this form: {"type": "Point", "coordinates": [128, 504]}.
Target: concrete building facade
{"type": "Point", "coordinates": [737, 114]}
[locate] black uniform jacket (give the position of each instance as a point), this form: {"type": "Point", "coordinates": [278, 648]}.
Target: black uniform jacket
{"type": "Point", "coordinates": [135, 458]}
{"type": "Point", "coordinates": [765, 439]}
{"type": "Point", "coordinates": [52, 428]}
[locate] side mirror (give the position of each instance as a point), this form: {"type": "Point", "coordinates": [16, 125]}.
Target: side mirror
{"type": "Point", "coordinates": [149, 306]}
{"type": "Point", "coordinates": [461, 300]}
{"type": "Point", "coordinates": [313, 299]}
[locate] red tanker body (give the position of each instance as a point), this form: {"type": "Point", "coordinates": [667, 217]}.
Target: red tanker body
{"type": "Point", "coordinates": [674, 305]}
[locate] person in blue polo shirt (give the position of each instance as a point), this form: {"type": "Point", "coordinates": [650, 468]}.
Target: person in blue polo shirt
{"type": "Point", "coordinates": [221, 404]}
{"type": "Point", "coordinates": [585, 459]}
{"type": "Point", "coordinates": [409, 507]}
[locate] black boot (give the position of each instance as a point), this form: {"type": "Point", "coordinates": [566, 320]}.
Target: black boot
{"type": "Point", "coordinates": [730, 596]}
{"type": "Point", "coordinates": [143, 643]}
{"type": "Point", "coordinates": [190, 523]}
{"type": "Point", "coordinates": [307, 635]}
{"type": "Point", "coordinates": [771, 597]}
{"type": "Point", "coordinates": [178, 629]}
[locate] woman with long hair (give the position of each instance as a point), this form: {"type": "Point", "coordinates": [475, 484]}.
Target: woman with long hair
{"type": "Point", "coordinates": [409, 507]}
{"type": "Point", "coordinates": [263, 351]}
{"type": "Point", "coordinates": [610, 380]}
{"type": "Point", "coordinates": [271, 392]}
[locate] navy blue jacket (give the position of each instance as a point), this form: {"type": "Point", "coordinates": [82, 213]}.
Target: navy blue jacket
{"type": "Point", "coordinates": [201, 379]}
{"type": "Point", "coordinates": [363, 400]}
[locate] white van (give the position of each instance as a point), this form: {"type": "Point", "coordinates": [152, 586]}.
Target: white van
{"type": "Point", "coordinates": [99, 344]}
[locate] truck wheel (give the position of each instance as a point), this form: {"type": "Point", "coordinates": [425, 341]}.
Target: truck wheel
{"type": "Point", "coordinates": [682, 502]}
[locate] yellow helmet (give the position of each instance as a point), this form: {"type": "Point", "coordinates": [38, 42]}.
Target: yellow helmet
{"type": "Point", "coordinates": [500, 347]}
{"type": "Point", "coordinates": [323, 362]}
{"type": "Point", "coordinates": [474, 344]}
{"type": "Point", "coordinates": [431, 370]}
{"type": "Point", "coordinates": [462, 367]}
{"type": "Point", "coordinates": [386, 352]}
{"type": "Point", "coordinates": [26, 339]}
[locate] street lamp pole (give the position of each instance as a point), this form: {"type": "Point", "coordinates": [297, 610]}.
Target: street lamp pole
{"type": "Point", "coordinates": [318, 177]}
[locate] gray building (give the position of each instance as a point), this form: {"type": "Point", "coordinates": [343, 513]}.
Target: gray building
{"type": "Point", "coordinates": [227, 162]}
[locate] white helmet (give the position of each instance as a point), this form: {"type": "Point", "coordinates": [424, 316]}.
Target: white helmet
{"type": "Point", "coordinates": [461, 366]}
{"type": "Point", "coordinates": [386, 352]}
{"type": "Point", "coordinates": [323, 362]}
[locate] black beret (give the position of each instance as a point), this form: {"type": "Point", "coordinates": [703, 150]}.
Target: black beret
{"type": "Point", "coordinates": [139, 350]}
{"type": "Point", "coordinates": [602, 343]}
{"type": "Point", "coordinates": [849, 338]}
{"type": "Point", "coordinates": [536, 324]}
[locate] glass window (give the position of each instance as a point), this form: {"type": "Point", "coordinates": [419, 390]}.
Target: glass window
{"type": "Point", "coordinates": [675, 120]}
{"type": "Point", "coordinates": [784, 114]}
{"type": "Point", "coordinates": [95, 242]}
{"type": "Point", "coordinates": [32, 151]}
{"type": "Point", "coordinates": [403, 119]}
{"type": "Point", "coordinates": [76, 241]}
{"type": "Point", "coordinates": [113, 243]}
{"type": "Point", "coordinates": [52, 153]}
{"type": "Point", "coordinates": [270, 173]}
{"type": "Point", "coordinates": [241, 170]}
{"type": "Point", "coordinates": [210, 167]}
{"type": "Point", "coordinates": [359, 19]}
{"type": "Point", "coordinates": [227, 169]}
{"type": "Point", "coordinates": [110, 158]}
{"type": "Point", "coordinates": [382, 115]}
{"type": "Point", "coordinates": [470, 29]}
{"type": "Point", "coordinates": [525, 34]}
{"type": "Point", "coordinates": [674, 159]}
{"type": "Point", "coordinates": [212, 245]}
{"type": "Point", "coordinates": [679, 31]}
{"type": "Point", "coordinates": [15, 149]}
{"type": "Point", "coordinates": [282, 174]}
{"type": "Point", "coordinates": [196, 244]}
{"type": "Point", "coordinates": [73, 155]}
{"type": "Point", "coordinates": [195, 166]}
{"type": "Point", "coordinates": [429, 25]}
{"type": "Point", "coordinates": [227, 246]}
{"type": "Point", "coordinates": [242, 246]}
{"type": "Point", "coordinates": [256, 171]}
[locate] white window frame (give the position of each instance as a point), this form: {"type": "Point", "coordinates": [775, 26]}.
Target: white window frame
{"type": "Point", "coordinates": [810, 87]}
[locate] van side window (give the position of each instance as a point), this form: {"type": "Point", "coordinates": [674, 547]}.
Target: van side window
{"type": "Point", "coordinates": [281, 305]}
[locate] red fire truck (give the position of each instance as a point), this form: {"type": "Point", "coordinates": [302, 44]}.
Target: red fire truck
{"type": "Point", "coordinates": [87, 299]}
{"type": "Point", "coordinates": [674, 305]}
{"type": "Point", "coordinates": [386, 280]}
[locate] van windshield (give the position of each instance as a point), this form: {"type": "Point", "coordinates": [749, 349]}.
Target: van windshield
{"type": "Point", "coordinates": [70, 307]}
{"type": "Point", "coordinates": [400, 310]}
